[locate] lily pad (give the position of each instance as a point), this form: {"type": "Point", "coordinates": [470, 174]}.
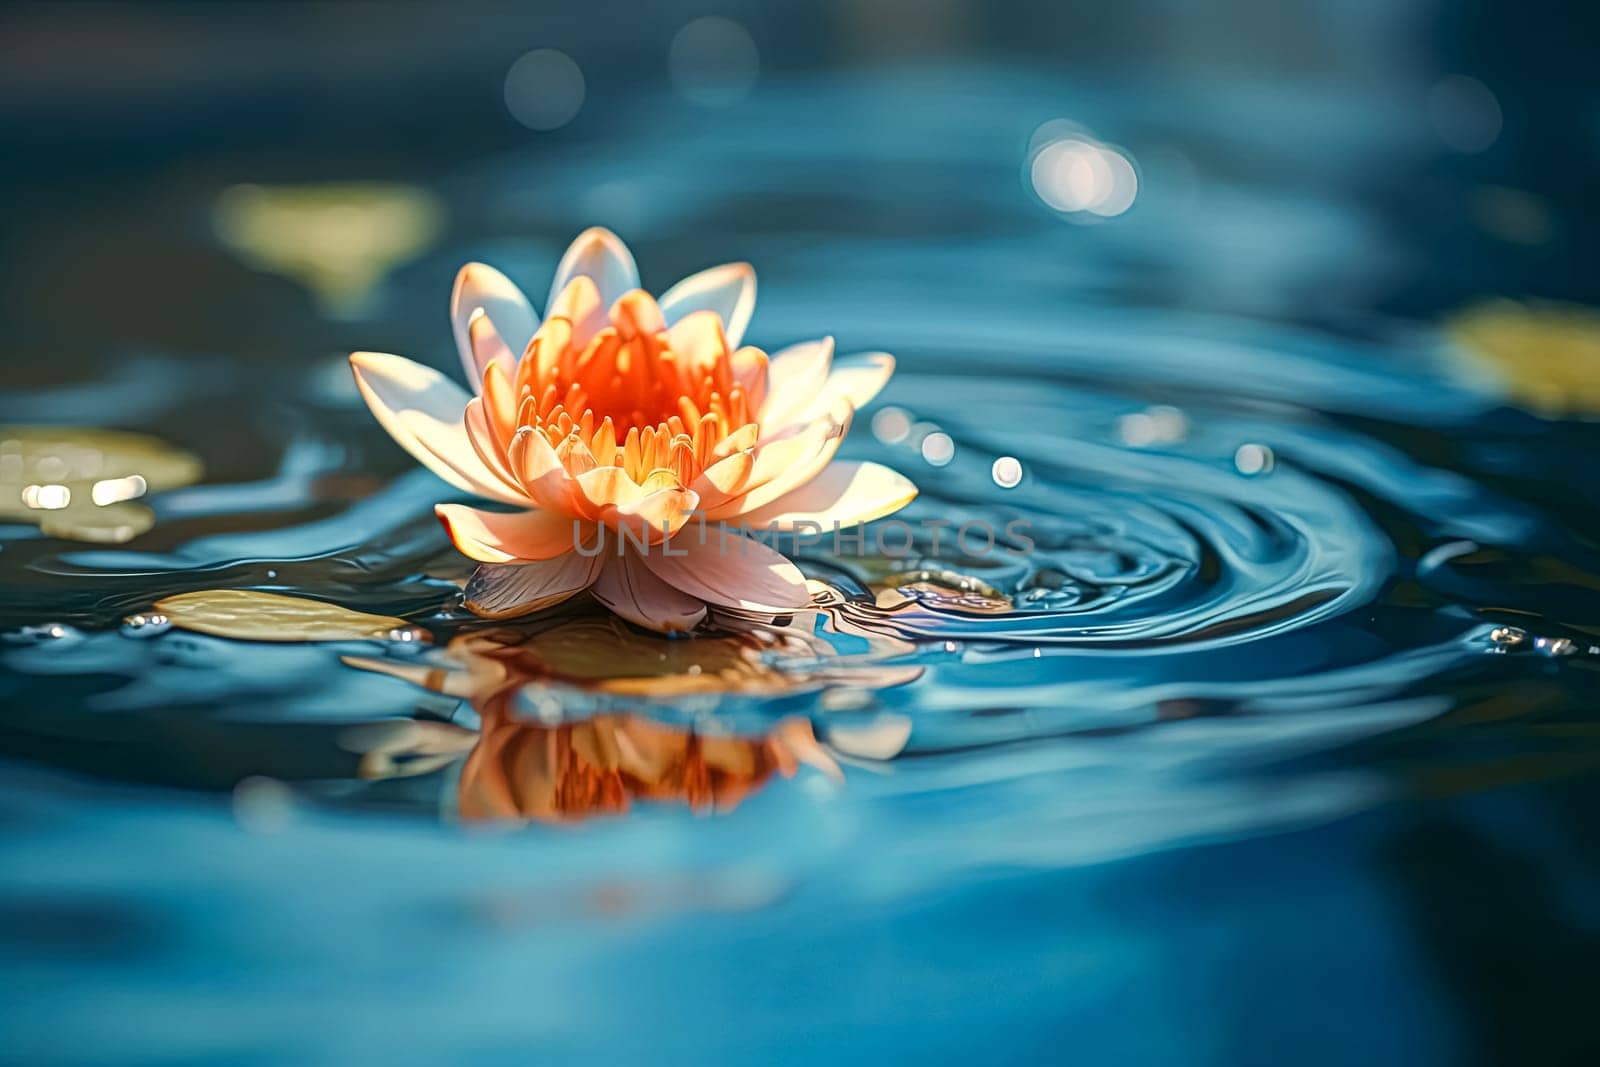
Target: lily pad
{"type": "Point", "coordinates": [250, 615]}
{"type": "Point", "coordinates": [84, 483]}
{"type": "Point", "coordinates": [339, 240]}
{"type": "Point", "coordinates": [1546, 356]}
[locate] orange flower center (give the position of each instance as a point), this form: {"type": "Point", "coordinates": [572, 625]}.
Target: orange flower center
{"type": "Point", "coordinates": [636, 395]}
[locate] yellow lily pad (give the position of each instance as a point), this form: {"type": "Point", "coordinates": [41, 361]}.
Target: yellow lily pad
{"type": "Point", "coordinates": [1545, 356]}
{"type": "Point", "coordinates": [84, 483]}
{"type": "Point", "coordinates": [339, 240]}
{"type": "Point", "coordinates": [249, 615]}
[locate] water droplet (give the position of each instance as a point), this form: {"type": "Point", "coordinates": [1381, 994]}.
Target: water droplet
{"type": "Point", "coordinates": [1253, 459]}
{"type": "Point", "coordinates": [38, 635]}
{"type": "Point", "coordinates": [1508, 636]}
{"type": "Point", "coordinates": [272, 574]}
{"type": "Point", "coordinates": [146, 624]}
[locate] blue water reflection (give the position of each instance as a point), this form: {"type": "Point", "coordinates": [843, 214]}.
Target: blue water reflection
{"type": "Point", "coordinates": [1238, 757]}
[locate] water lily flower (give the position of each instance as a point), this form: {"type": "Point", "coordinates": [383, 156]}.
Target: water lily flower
{"type": "Point", "coordinates": [617, 420]}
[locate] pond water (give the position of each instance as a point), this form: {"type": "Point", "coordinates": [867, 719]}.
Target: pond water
{"type": "Point", "coordinates": [1283, 728]}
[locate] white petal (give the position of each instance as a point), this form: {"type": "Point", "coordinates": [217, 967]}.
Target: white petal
{"type": "Point", "coordinates": [795, 377]}
{"type": "Point", "coordinates": [499, 591]}
{"type": "Point", "coordinates": [422, 409]}
{"type": "Point", "coordinates": [510, 536]}
{"type": "Point", "coordinates": [800, 457]}
{"type": "Point", "coordinates": [601, 255]}
{"type": "Point", "coordinates": [479, 285]}
{"type": "Point", "coordinates": [846, 493]}
{"type": "Point", "coordinates": [630, 589]}
{"type": "Point", "coordinates": [728, 290]}
{"type": "Point", "coordinates": [856, 378]}
{"type": "Point", "coordinates": [729, 570]}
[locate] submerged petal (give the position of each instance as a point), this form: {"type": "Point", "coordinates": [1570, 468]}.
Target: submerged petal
{"type": "Point", "coordinates": [510, 536]}
{"type": "Point", "coordinates": [501, 591]}
{"type": "Point", "coordinates": [728, 290]}
{"type": "Point", "coordinates": [480, 286]}
{"type": "Point", "coordinates": [846, 493]}
{"type": "Point", "coordinates": [598, 254]}
{"type": "Point", "coordinates": [421, 409]}
{"type": "Point", "coordinates": [631, 590]}
{"type": "Point", "coordinates": [727, 569]}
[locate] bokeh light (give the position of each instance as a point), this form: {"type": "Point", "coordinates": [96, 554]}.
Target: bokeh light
{"type": "Point", "coordinates": [938, 448]}
{"type": "Point", "coordinates": [713, 61]}
{"type": "Point", "coordinates": [1465, 113]}
{"type": "Point", "coordinates": [891, 425]}
{"type": "Point", "coordinates": [1075, 174]}
{"type": "Point", "coordinates": [1253, 459]}
{"type": "Point", "coordinates": [1007, 472]}
{"type": "Point", "coordinates": [544, 89]}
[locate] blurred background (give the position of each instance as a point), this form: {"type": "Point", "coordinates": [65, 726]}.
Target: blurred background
{"type": "Point", "coordinates": [1314, 160]}
{"type": "Point", "coordinates": [1276, 319]}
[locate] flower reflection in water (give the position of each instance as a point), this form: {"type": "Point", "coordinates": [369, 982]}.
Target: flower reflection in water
{"type": "Point", "coordinates": [526, 770]}
{"type": "Point", "coordinates": [530, 761]}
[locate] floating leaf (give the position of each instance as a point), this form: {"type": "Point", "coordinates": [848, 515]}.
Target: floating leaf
{"type": "Point", "coordinates": [1544, 355]}
{"type": "Point", "coordinates": [255, 616]}
{"type": "Point", "coordinates": [338, 240]}
{"type": "Point", "coordinates": [84, 483]}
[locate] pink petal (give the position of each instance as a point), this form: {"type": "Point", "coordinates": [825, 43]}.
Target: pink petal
{"type": "Point", "coordinates": [499, 591]}
{"type": "Point", "coordinates": [728, 290]}
{"type": "Point", "coordinates": [845, 493]}
{"type": "Point", "coordinates": [481, 286]}
{"type": "Point", "coordinates": [422, 409]}
{"type": "Point", "coordinates": [657, 515]}
{"type": "Point", "coordinates": [598, 254]}
{"type": "Point", "coordinates": [630, 589]}
{"type": "Point", "coordinates": [729, 570]}
{"type": "Point", "coordinates": [510, 536]}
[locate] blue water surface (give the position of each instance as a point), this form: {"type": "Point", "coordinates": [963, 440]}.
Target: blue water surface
{"type": "Point", "coordinates": [1278, 745]}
